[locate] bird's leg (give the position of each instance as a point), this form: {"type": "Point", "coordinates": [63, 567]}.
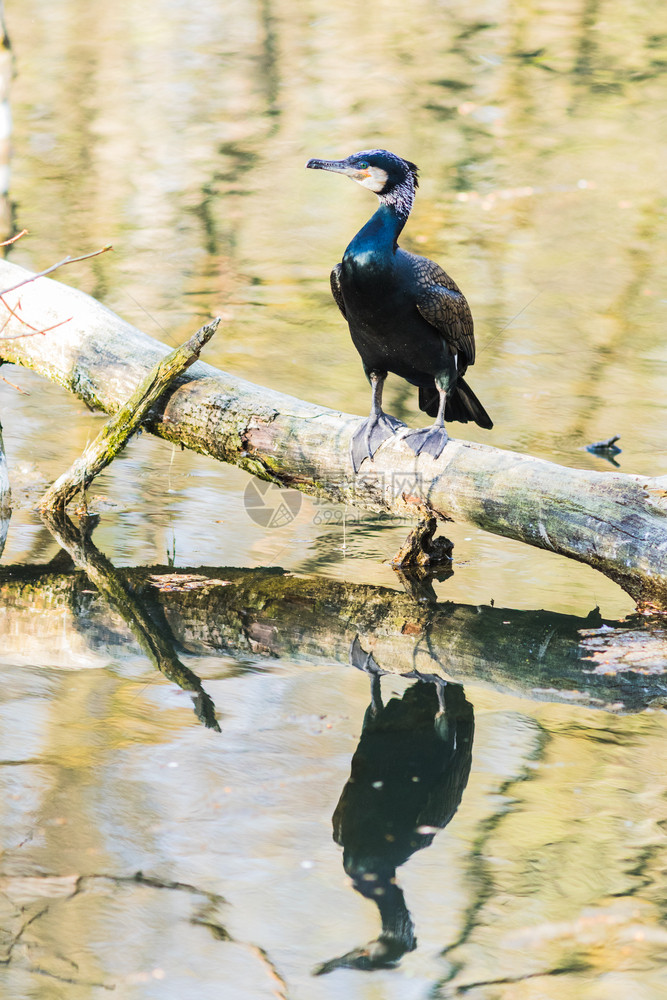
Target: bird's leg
{"type": "Point", "coordinates": [378, 427]}
{"type": "Point", "coordinates": [431, 439]}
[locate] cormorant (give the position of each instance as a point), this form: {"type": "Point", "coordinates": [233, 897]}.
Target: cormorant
{"type": "Point", "coordinates": [406, 315]}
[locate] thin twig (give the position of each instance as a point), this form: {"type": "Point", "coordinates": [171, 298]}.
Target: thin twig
{"type": "Point", "coordinates": [33, 332]}
{"type": "Point", "coordinates": [18, 388]}
{"type": "Point", "coordinates": [12, 312]}
{"type": "Point", "coordinates": [54, 267]}
{"type": "Point", "coordinates": [13, 239]}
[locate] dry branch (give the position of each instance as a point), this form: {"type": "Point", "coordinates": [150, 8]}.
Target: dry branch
{"type": "Point", "coordinates": [616, 523]}
{"type": "Point", "coordinates": [117, 431]}
{"type": "Point", "coordinates": [14, 239]}
{"type": "Point", "coordinates": [49, 270]}
{"type": "Point", "coordinates": [26, 329]}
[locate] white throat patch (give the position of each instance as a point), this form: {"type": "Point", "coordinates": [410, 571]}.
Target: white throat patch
{"type": "Point", "coordinates": [374, 179]}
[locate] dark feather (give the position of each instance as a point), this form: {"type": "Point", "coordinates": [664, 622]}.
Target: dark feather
{"type": "Point", "coordinates": [462, 405]}
{"type": "Point", "coordinates": [443, 305]}
{"type": "Point", "coordinates": [336, 289]}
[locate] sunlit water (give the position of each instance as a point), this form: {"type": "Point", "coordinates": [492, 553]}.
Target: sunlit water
{"type": "Point", "coordinates": [179, 135]}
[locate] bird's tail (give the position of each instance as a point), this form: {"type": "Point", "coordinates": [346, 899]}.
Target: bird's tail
{"type": "Point", "coordinates": [462, 405]}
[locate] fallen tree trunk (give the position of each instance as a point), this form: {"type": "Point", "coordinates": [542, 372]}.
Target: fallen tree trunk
{"type": "Point", "coordinates": [616, 523]}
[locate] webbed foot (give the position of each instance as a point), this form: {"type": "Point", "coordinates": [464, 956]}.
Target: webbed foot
{"type": "Point", "coordinates": [369, 435]}
{"type": "Point", "coordinates": [432, 440]}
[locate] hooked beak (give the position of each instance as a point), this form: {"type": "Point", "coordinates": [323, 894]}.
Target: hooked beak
{"type": "Point", "coordinates": [336, 166]}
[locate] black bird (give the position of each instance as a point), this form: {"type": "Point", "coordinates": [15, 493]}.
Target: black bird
{"type": "Point", "coordinates": [406, 315]}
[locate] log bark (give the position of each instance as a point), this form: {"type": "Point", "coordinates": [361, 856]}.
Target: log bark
{"type": "Point", "coordinates": [614, 522]}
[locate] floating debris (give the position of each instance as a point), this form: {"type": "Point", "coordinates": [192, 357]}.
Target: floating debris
{"type": "Point", "coordinates": [608, 446]}
{"type": "Point", "coordinates": [606, 449]}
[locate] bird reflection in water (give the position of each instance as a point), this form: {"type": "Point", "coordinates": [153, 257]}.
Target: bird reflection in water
{"type": "Point", "coordinates": [407, 778]}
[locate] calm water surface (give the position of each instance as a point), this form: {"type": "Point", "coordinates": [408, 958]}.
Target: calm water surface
{"type": "Point", "coordinates": [145, 854]}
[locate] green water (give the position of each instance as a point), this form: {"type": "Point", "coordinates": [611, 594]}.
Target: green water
{"type": "Point", "coordinates": [179, 133]}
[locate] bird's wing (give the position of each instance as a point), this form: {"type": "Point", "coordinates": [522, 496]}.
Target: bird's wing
{"type": "Point", "coordinates": [336, 289]}
{"type": "Point", "coordinates": [443, 305]}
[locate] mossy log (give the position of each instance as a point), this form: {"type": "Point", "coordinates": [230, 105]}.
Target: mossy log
{"type": "Point", "coordinates": [614, 522]}
{"type": "Point", "coordinates": [119, 428]}
{"type": "Point", "coordinates": [260, 614]}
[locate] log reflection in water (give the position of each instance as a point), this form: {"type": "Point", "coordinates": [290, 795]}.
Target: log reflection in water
{"type": "Point", "coordinates": [258, 613]}
{"type": "Point", "coordinates": [153, 636]}
{"type": "Point", "coordinates": [536, 654]}
{"type": "Point", "coordinates": [407, 778]}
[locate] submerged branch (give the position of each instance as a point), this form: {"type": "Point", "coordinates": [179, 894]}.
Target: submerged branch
{"type": "Point", "coordinates": [616, 523]}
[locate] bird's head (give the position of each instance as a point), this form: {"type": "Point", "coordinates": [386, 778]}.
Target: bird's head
{"type": "Point", "coordinates": [391, 178]}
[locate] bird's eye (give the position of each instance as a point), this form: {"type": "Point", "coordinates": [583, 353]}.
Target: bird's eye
{"type": "Point", "coordinates": [363, 165]}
